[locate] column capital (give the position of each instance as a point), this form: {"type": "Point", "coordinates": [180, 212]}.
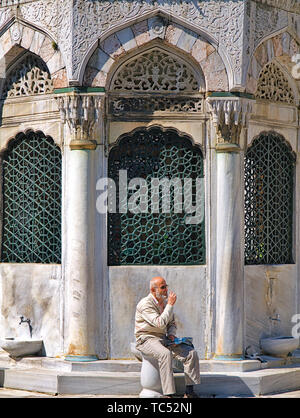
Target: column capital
{"type": "Point", "coordinates": [229, 116]}
{"type": "Point", "coordinates": [81, 112]}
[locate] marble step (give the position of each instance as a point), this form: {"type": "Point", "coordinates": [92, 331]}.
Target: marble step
{"type": "Point", "coordinates": [206, 366]}
{"type": "Point", "coordinates": [56, 382]}
{"type": "Point", "coordinates": [253, 383]}
{"type": "Point", "coordinates": [70, 366]}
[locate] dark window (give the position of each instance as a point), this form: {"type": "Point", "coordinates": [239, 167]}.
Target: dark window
{"type": "Point", "coordinates": [163, 237]}
{"type": "Point", "coordinates": [269, 188]}
{"type": "Point", "coordinates": [31, 230]}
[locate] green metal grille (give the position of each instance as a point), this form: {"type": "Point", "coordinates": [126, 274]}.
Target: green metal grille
{"type": "Point", "coordinates": [269, 185]}
{"type": "Point", "coordinates": [155, 238]}
{"type": "Point", "coordinates": [31, 200]}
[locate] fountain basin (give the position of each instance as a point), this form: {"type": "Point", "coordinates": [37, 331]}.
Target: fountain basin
{"type": "Point", "coordinates": [17, 347]}
{"type": "Point", "coordinates": [279, 346]}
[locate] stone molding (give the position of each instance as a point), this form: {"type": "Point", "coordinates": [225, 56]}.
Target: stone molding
{"type": "Point", "coordinates": [81, 112]}
{"type": "Point", "coordinates": [229, 116]}
{"type": "Point", "coordinates": [122, 106]}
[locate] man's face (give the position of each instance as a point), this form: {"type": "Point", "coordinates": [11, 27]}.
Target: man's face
{"type": "Point", "coordinates": [161, 289]}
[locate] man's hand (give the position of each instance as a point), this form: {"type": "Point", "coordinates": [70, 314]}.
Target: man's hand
{"type": "Point", "coordinates": [172, 298]}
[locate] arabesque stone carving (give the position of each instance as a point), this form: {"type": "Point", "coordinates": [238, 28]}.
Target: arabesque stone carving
{"type": "Point", "coordinates": [155, 71]}
{"type": "Point", "coordinates": [274, 86]}
{"type": "Point", "coordinates": [30, 77]}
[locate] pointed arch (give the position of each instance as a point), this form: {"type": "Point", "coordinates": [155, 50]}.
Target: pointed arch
{"type": "Point", "coordinates": [195, 47]}
{"type": "Point", "coordinates": [279, 49]}
{"type": "Point", "coordinates": [20, 37]}
{"type": "Point", "coordinates": [28, 76]}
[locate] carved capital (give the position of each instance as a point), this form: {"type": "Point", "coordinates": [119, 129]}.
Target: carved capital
{"type": "Point", "coordinates": [82, 114]}
{"type": "Point", "coordinates": [229, 116]}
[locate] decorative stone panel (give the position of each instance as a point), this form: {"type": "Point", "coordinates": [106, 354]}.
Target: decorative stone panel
{"type": "Point", "coordinates": [30, 77]}
{"type": "Point", "coordinates": [119, 106]}
{"type": "Point", "coordinates": [273, 85]}
{"type": "Point", "coordinates": [155, 71]}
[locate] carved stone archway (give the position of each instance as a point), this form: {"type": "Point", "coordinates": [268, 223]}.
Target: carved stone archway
{"type": "Point", "coordinates": [19, 38]}
{"type": "Point", "coordinates": [197, 50]}
{"type": "Point", "coordinates": [280, 48]}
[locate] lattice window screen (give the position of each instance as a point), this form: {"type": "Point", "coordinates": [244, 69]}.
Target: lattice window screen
{"type": "Point", "coordinates": [155, 71]}
{"type": "Point", "coordinates": [31, 230]}
{"type": "Point", "coordinates": [30, 77]}
{"type": "Point", "coordinates": [272, 85]}
{"type": "Point", "coordinates": [269, 188]}
{"type": "Point", "coordinates": [155, 238]}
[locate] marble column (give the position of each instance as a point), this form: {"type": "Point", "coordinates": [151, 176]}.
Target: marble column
{"type": "Point", "coordinates": [79, 114]}
{"type": "Point", "coordinates": [229, 122]}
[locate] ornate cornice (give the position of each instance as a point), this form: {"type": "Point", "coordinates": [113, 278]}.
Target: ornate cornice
{"type": "Point", "coordinates": [288, 5]}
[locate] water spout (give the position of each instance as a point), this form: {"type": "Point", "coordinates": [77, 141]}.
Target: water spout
{"type": "Point", "coordinates": [22, 319]}
{"type": "Point", "coordinates": [275, 318]}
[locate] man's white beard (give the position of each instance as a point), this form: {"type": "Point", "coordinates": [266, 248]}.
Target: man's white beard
{"type": "Point", "coordinates": [159, 296]}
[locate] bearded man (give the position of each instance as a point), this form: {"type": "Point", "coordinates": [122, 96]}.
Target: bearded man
{"type": "Point", "coordinates": [155, 330]}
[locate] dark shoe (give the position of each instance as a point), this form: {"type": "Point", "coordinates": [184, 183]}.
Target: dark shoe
{"type": "Point", "coordinates": [170, 396]}
{"type": "Point", "coordinates": [190, 395]}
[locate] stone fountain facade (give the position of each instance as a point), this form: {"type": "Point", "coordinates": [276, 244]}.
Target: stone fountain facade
{"type": "Point", "coordinates": [70, 70]}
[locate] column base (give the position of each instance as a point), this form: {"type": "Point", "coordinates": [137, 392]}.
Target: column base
{"type": "Point", "coordinates": [81, 358]}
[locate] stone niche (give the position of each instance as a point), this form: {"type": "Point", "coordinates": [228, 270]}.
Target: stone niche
{"type": "Point", "coordinates": [269, 293]}
{"type": "Point", "coordinates": [32, 291]}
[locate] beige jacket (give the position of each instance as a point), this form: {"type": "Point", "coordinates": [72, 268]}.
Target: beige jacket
{"type": "Point", "coordinates": [149, 322]}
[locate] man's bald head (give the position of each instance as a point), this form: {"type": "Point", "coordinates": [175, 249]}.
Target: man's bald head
{"type": "Point", "coordinates": [155, 282]}
{"type": "Point", "coordinates": [159, 288]}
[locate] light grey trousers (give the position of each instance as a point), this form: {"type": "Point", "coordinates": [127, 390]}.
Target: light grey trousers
{"type": "Point", "coordinates": [155, 347]}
